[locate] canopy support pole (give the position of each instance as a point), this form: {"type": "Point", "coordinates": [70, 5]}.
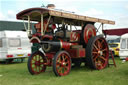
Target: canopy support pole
{"type": "Point", "coordinates": [47, 24]}
{"type": "Point", "coordinates": [29, 27]}
{"type": "Point", "coordinates": [42, 33]}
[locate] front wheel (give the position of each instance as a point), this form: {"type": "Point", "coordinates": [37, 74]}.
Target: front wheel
{"type": "Point", "coordinates": [97, 53]}
{"type": "Point", "coordinates": [62, 63]}
{"type": "Point", "coordinates": [36, 63]}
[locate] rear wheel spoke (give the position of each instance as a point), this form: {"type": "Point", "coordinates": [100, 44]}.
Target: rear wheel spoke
{"type": "Point", "coordinates": [103, 58]}
{"type": "Point", "coordinates": [97, 52]}
{"type": "Point", "coordinates": [95, 47]}
{"type": "Point", "coordinates": [99, 45]}
{"type": "Point", "coordinates": [94, 59]}
{"type": "Point", "coordinates": [104, 49]}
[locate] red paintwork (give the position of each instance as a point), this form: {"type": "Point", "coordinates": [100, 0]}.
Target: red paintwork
{"type": "Point", "coordinates": [49, 37]}
{"type": "Point", "coordinates": [67, 45]}
{"type": "Point", "coordinates": [75, 36]}
{"type": "Point", "coordinates": [34, 41]}
{"type": "Point", "coordinates": [76, 53]}
{"type": "Point", "coordinates": [89, 31]}
{"type": "Point", "coordinates": [36, 34]}
{"type": "Point", "coordinates": [50, 55]}
{"type": "Point", "coordinates": [81, 52]}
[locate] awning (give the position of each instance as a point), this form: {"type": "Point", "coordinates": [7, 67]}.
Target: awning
{"type": "Point", "coordinates": [118, 32]}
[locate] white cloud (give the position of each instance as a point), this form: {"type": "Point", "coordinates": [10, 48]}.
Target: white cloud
{"type": "Point", "coordinates": [122, 21]}
{"type": "Point", "coordinates": [11, 15]}
{"type": "Point", "coordinates": [126, 6]}
{"type": "Point", "coordinates": [2, 16]}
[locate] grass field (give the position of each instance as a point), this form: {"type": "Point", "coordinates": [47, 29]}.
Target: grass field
{"type": "Point", "coordinates": [17, 74]}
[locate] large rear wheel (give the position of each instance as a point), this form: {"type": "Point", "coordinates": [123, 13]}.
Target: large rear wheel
{"type": "Point", "coordinates": [62, 63]}
{"type": "Point", "coordinates": [36, 63]}
{"type": "Point", "coordinates": [97, 53]}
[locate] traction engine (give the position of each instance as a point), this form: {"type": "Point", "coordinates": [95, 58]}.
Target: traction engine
{"type": "Point", "coordinates": [56, 43]}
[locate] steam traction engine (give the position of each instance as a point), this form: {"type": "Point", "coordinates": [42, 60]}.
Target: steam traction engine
{"type": "Point", "coordinates": [57, 41]}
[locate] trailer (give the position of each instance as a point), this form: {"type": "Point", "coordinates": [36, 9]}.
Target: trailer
{"type": "Point", "coordinates": [57, 41]}
{"type": "Point", "coordinates": [14, 45]}
{"type": "Point", "coordinates": [123, 52]}
{"type": "Point", "coordinates": [123, 33]}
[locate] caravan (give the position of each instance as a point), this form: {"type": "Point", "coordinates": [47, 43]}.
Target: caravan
{"type": "Point", "coordinates": [123, 53]}
{"type": "Point", "coordinates": [13, 45]}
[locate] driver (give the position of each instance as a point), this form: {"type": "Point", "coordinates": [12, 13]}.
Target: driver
{"type": "Point", "coordinates": [48, 29]}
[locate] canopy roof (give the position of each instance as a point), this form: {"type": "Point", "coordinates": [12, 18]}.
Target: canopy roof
{"type": "Point", "coordinates": [118, 32]}
{"type": "Point", "coordinates": [35, 14]}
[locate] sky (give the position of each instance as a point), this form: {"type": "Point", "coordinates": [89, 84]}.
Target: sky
{"type": "Point", "coordinates": [115, 10]}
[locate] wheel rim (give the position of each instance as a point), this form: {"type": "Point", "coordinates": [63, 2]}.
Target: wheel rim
{"type": "Point", "coordinates": [100, 53]}
{"type": "Point", "coordinates": [37, 63]}
{"type": "Point", "coordinates": [63, 64]}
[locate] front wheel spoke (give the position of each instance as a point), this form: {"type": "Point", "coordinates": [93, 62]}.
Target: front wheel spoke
{"type": "Point", "coordinates": [60, 69]}
{"type": "Point", "coordinates": [58, 64]}
{"type": "Point", "coordinates": [63, 57]}
{"type": "Point", "coordinates": [59, 59]}
{"type": "Point", "coordinates": [65, 68]}
{"type": "Point", "coordinates": [67, 62]}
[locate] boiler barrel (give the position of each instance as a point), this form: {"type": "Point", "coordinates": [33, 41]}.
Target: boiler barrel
{"type": "Point", "coordinates": [55, 45]}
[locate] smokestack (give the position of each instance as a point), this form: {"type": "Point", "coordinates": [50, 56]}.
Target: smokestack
{"type": "Point", "coordinates": [51, 6]}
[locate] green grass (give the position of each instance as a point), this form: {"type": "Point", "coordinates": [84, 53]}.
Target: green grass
{"type": "Point", "coordinates": [17, 74]}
